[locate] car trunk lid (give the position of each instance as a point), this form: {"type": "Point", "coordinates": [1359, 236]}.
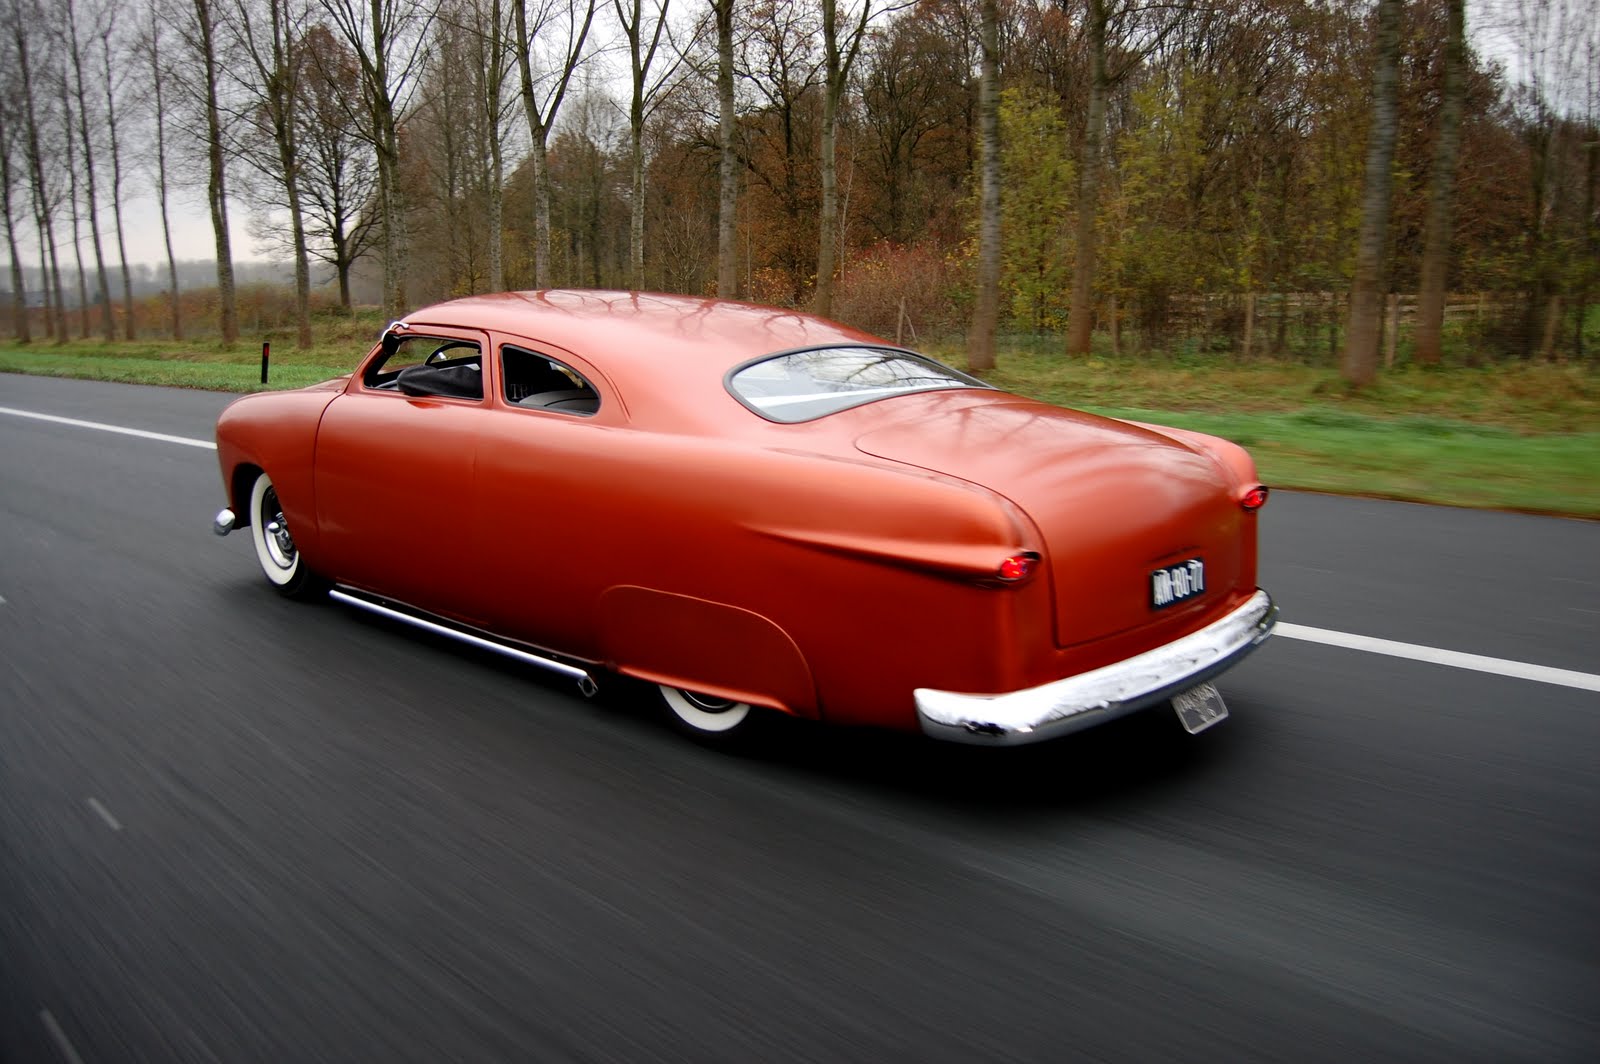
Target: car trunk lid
{"type": "Point", "coordinates": [1116, 503]}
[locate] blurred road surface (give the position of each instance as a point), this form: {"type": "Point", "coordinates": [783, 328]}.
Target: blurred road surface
{"type": "Point", "coordinates": [233, 828]}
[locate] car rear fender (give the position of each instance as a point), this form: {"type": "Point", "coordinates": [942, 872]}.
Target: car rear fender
{"type": "Point", "coordinates": [705, 646]}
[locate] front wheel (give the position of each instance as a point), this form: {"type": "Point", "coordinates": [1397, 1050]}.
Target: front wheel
{"type": "Point", "coordinates": [275, 548]}
{"type": "Point", "coordinates": [718, 721]}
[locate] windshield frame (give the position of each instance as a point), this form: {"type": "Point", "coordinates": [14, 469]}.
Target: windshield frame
{"type": "Point", "coordinates": [959, 379]}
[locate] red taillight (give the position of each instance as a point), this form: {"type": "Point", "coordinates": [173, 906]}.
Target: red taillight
{"type": "Point", "coordinates": [1254, 499]}
{"type": "Point", "coordinates": [1017, 567]}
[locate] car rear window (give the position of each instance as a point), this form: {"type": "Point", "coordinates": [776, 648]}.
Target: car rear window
{"type": "Point", "coordinates": [803, 385]}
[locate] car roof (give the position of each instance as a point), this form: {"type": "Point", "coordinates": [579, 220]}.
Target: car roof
{"type": "Point", "coordinates": [642, 328]}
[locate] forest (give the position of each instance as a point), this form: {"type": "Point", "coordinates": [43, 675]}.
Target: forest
{"type": "Point", "coordinates": [1303, 179]}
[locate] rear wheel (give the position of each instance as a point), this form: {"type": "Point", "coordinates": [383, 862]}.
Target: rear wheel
{"type": "Point", "coordinates": [275, 548]}
{"type": "Point", "coordinates": [709, 718]}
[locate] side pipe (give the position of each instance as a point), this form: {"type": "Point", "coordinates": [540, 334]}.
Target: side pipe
{"type": "Point", "coordinates": [586, 682]}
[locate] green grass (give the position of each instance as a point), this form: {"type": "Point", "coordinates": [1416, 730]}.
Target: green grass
{"type": "Point", "coordinates": [1421, 459]}
{"type": "Point", "coordinates": [1520, 436]}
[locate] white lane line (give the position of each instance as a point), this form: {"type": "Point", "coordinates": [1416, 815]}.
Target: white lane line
{"type": "Point", "coordinates": [1521, 670]}
{"type": "Point", "coordinates": [141, 433]}
{"type": "Point", "coordinates": [105, 814]}
{"type": "Point", "coordinates": [59, 1037]}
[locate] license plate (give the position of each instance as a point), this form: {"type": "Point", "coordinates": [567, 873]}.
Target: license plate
{"type": "Point", "coordinates": [1200, 707]}
{"type": "Point", "coordinates": [1175, 583]}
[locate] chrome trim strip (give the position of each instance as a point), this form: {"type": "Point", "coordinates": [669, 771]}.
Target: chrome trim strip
{"type": "Point", "coordinates": [1077, 702]}
{"type": "Point", "coordinates": [351, 597]}
{"type": "Point", "coordinates": [224, 522]}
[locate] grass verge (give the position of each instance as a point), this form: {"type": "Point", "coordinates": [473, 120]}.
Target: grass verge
{"type": "Point", "coordinates": [1524, 436]}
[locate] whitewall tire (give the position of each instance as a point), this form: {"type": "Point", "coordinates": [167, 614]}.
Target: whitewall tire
{"type": "Point", "coordinates": [275, 548]}
{"type": "Point", "coordinates": [707, 716]}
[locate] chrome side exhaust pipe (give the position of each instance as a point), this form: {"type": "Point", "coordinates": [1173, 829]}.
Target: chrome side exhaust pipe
{"type": "Point", "coordinates": [586, 681]}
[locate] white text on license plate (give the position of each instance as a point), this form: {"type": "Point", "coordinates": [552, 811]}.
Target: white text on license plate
{"type": "Point", "coordinates": [1174, 583]}
{"type": "Point", "coordinates": [1200, 707]}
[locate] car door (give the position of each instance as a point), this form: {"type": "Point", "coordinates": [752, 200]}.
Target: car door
{"type": "Point", "coordinates": [546, 495]}
{"type": "Point", "coordinates": [395, 470]}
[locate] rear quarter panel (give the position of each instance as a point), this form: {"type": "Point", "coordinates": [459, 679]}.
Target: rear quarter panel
{"type": "Point", "coordinates": [822, 586]}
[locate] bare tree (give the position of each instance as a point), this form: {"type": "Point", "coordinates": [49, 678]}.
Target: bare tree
{"type": "Point", "coordinates": [389, 40]}
{"type": "Point", "coordinates": [1441, 196]}
{"type": "Point", "coordinates": [641, 56]}
{"type": "Point", "coordinates": [339, 175]}
{"type": "Point", "coordinates": [728, 157]}
{"type": "Point", "coordinates": [72, 207]}
{"type": "Point", "coordinates": [267, 33]}
{"type": "Point", "coordinates": [1360, 362]}
{"type": "Point", "coordinates": [110, 84]}
{"type": "Point", "coordinates": [545, 79]}
{"type": "Point", "coordinates": [839, 57]}
{"type": "Point", "coordinates": [986, 314]}
{"type": "Point", "coordinates": [20, 328]}
{"type": "Point", "coordinates": [496, 72]}
{"type": "Point", "coordinates": [151, 45]}
{"type": "Point", "coordinates": [197, 29]}
{"type": "Point", "coordinates": [75, 51]}
{"type": "Point", "coordinates": [25, 19]}
{"type": "Point", "coordinates": [1135, 30]}
{"type": "Point", "coordinates": [488, 26]}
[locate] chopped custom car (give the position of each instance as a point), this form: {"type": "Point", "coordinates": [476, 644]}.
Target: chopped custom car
{"type": "Point", "coordinates": [756, 512]}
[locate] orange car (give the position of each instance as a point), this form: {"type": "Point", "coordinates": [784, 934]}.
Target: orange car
{"type": "Point", "coordinates": [757, 511]}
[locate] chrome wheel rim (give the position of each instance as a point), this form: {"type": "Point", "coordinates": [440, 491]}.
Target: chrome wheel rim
{"type": "Point", "coordinates": [275, 532]}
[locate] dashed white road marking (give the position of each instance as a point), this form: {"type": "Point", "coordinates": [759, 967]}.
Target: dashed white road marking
{"type": "Point", "coordinates": [1521, 670]}
{"type": "Point", "coordinates": [1477, 662]}
{"type": "Point", "coordinates": [105, 814]}
{"type": "Point", "coordinates": [59, 1037]}
{"type": "Point", "coordinates": [103, 427]}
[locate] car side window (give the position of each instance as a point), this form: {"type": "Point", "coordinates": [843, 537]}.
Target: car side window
{"type": "Point", "coordinates": [428, 366]}
{"type": "Point", "coordinates": [539, 382]}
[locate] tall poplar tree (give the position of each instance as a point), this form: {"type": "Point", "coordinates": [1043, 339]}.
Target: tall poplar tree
{"type": "Point", "coordinates": [1359, 364]}
{"type": "Point", "coordinates": [986, 313]}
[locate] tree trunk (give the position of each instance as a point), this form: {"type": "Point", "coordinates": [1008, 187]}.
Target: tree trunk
{"type": "Point", "coordinates": [302, 256]}
{"type": "Point", "coordinates": [986, 313]}
{"type": "Point", "coordinates": [497, 215]}
{"type": "Point", "coordinates": [1080, 313]}
{"type": "Point", "coordinates": [541, 117]}
{"type": "Point", "coordinates": [49, 263]}
{"type": "Point", "coordinates": [541, 215]}
{"type": "Point", "coordinates": [1441, 197]}
{"type": "Point", "coordinates": [839, 57]}
{"type": "Point", "coordinates": [493, 99]}
{"type": "Point", "coordinates": [1360, 362]}
{"type": "Point", "coordinates": [72, 208]}
{"type": "Point", "coordinates": [75, 53]}
{"type": "Point", "coordinates": [728, 189]}
{"type": "Point", "coordinates": [391, 205]}
{"type": "Point", "coordinates": [129, 330]}
{"type": "Point", "coordinates": [828, 216]}
{"type": "Point", "coordinates": [157, 85]}
{"type": "Point", "coordinates": [217, 181]}
{"type": "Point", "coordinates": [640, 59]}
{"type": "Point", "coordinates": [20, 327]}
{"type": "Point", "coordinates": [1592, 242]}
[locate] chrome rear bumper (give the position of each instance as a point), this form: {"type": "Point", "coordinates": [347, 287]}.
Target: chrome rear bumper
{"type": "Point", "coordinates": [1077, 702]}
{"type": "Point", "coordinates": [224, 522]}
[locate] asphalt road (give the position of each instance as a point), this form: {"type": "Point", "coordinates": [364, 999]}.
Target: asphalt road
{"type": "Point", "coordinates": [233, 828]}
